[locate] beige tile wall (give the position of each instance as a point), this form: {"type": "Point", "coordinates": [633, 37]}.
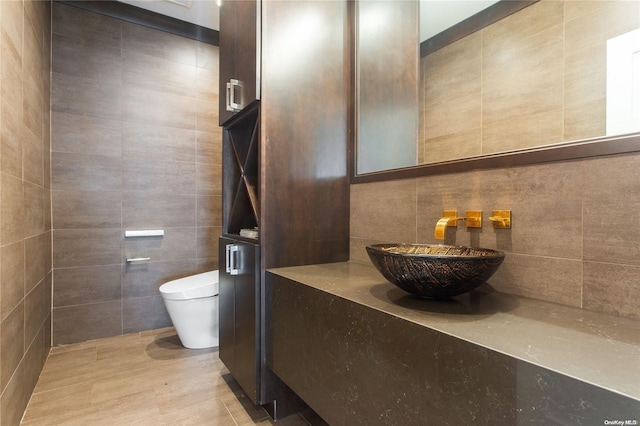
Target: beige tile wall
{"type": "Point", "coordinates": [573, 240]}
{"type": "Point", "coordinates": [135, 145]}
{"type": "Point", "coordinates": [534, 78]}
{"type": "Point", "coordinates": [25, 213]}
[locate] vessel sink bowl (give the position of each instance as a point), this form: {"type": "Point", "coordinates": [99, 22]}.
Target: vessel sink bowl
{"type": "Point", "coordinates": [434, 271]}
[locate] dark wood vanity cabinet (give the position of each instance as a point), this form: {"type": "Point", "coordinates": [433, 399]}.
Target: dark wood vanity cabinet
{"type": "Point", "coordinates": [285, 163]}
{"type": "Point", "coordinates": [239, 42]}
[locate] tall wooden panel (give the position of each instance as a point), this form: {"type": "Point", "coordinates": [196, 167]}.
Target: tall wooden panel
{"type": "Point", "coordinates": [305, 86]}
{"type": "Point", "coordinates": [285, 158]}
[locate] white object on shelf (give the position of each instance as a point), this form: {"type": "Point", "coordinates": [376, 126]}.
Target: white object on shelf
{"type": "Point", "coordinates": [249, 233]}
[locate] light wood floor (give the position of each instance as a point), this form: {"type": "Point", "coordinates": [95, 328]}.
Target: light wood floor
{"type": "Point", "coordinates": [140, 379]}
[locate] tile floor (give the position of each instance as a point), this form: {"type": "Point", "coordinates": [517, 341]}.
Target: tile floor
{"type": "Point", "coordinates": [143, 378]}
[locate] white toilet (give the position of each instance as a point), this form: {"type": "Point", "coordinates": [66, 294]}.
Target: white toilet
{"type": "Point", "coordinates": [192, 303]}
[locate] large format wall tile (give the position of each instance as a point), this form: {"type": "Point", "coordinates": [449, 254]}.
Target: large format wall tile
{"type": "Point", "coordinates": [518, 93]}
{"type": "Point", "coordinates": [11, 136]}
{"type": "Point", "coordinates": [37, 251]}
{"type": "Point", "coordinates": [207, 248]}
{"type": "Point", "coordinates": [176, 244]}
{"type": "Point", "coordinates": [530, 192]}
{"type": "Point", "coordinates": [144, 210]}
{"type": "Point", "coordinates": [25, 237]}
{"type": "Point", "coordinates": [207, 79]}
{"type": "Point", "coordinates": [86, 247]}
{"type": "Point", "coordinates": [151, 142]}
{"type": "Point", "coordinates": [209, 147]}
{"type": "Point", "coordinates": [209, 175]}
{"type": "Point", "coordinates": [555, 280]}
{"type": "Point", "coordinates": [143, 280]}
{"type": "Point", "coordinates": [144, 313]}
{"type": "Point", "coordinates": [207, 116]}
{"type": "Point", "coordinates": [153, 73]}
{"type": "Point", "coordinates": [452, 109]}
{"type": "Point", "coordinates": [391, 220]}
{"type": "Point", "coordinates": [81, 134]}
{"type": "Point", "coordinates": [11, 343]}
{"type": "Point", "coordinates": [16, 395]}
{"type": "Point", "coordinates": [34, 209]}
{"type": "Point", "coordinates": [612, 288]}
{"type": "Point", "coordinates": [82, 172]}
{"type": "Point", "coordinates": [207, 57]}
{"type": "Point", "coordinates": [11, 276]}
{"type": "Point", "coordinates": [385, 212]}
{"type": "Point", "coordinates": [86, 58]}
{"type": "Point", "coordinates": [97, 320]}
{"type": "Point", "coordinates": [608, 229]}
{"type": "Point", "coordinates": [91, 28]}
{"type": "Point", "coordinates": [11, 33]}
{"type": "Point", "coordinates": [209, 210]}
{"type": "Point", "coordinates": [37, 309]}
{"type": "Point", "coordinates": [83, 96]}
{"type": "Point", "coordinates": [159, 44]}
{"type": "Point", "coordinates": [144, 175]}
{"type": "Point", "coordinates": [87, 209]}
{"type": "Point", "coordinates": [12, 209]}
{"type": "Point", "coordinates": [157, 108]}
{"type": "Point", "coordinates": [84, 285]}
{"type": "Point", "coordinates": [33, 98]}
{"type": "Point", "coordinates": [33, 158]}
{"type": "Point", "coordinates": [547, 206]}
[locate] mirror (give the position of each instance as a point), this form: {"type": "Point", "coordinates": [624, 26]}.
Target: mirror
{"type": "Point", "coordinates": [518, 82]}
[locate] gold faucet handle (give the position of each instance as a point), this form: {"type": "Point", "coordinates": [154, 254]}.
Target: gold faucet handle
{"type": "Point", "coordinates": [501, 219]}
{"type": "Point", "coordinates": [473, 218]}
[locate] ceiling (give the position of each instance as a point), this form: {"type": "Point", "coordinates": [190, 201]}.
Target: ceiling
{"type": "Point", "coordinates": [435, 15]}
{"type": "Point", "coordinates": [438, 15]}
{"type": "Point", "coordinates": [200, 12]}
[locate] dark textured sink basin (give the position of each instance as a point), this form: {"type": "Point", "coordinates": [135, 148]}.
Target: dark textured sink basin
{"type": "Point", "coordinates": [434, 271]}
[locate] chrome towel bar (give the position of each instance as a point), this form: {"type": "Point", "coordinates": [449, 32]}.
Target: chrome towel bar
{"type": "Point", "coordinates": [144, 233]}
{"type": "Point", "coordinates": [138, 259]}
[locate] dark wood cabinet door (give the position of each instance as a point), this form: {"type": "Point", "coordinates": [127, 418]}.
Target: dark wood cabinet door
{"type": "Point", "coordinates": [226, 309]}
{"type": "Point", "coordinates": [239, 302]}
{"type": "Point", "coordinates": [239, 41]}
{"type": "Point", "coordinates": [247, 326]}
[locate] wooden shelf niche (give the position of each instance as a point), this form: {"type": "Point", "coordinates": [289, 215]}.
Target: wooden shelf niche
{"type": "Point", "coordinates": [240, 150]}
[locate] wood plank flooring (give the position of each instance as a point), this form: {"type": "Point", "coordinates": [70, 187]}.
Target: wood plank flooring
{"type": "Point", "coordinates": [144, 378]}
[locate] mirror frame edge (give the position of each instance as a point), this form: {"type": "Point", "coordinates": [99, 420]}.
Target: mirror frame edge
{"type": "Point", "coordinates": [575, 150]}
{"type": "Point", "coordinates": [563, 151]}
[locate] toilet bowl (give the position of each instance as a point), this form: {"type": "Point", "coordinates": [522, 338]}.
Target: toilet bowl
{"type": "Point", "coordinates": [192, 303]}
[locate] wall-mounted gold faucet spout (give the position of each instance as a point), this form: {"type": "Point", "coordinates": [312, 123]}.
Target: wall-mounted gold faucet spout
{"type": "Point", "coordinates": [450, 219]}
{"type": "Point", "coordinates": [441, 226]}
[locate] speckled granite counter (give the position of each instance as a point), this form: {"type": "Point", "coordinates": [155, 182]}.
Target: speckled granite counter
{"type": "Point", "coordinates": [485, 357]}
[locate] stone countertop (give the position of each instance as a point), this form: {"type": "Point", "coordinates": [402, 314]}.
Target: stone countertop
{"type": "Point", "coordinates": [592, 347]}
